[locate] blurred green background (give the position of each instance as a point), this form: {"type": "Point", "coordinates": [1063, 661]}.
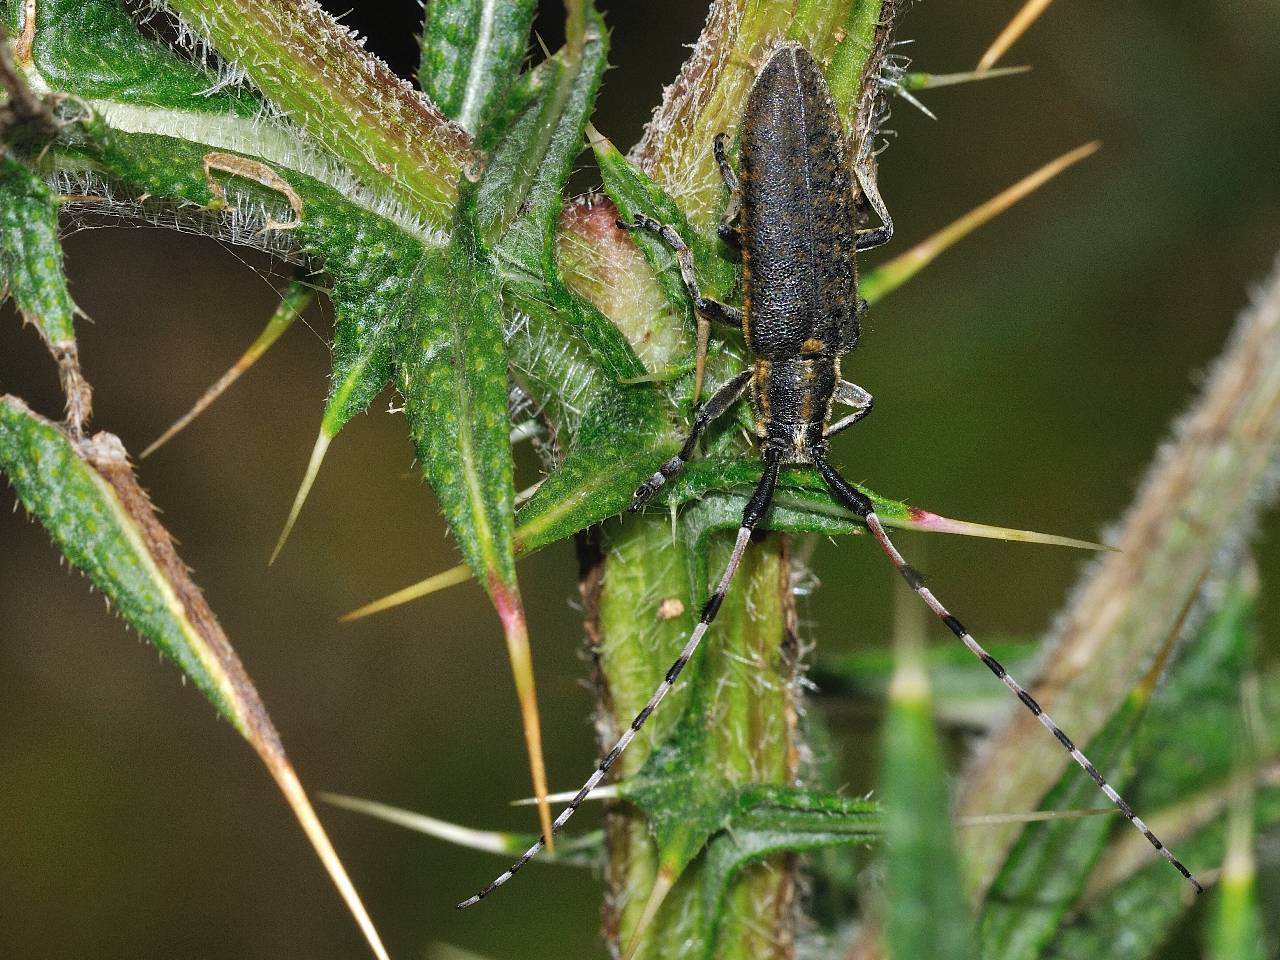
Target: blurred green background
{"type": "Point", "coordinates": [1025, 379]}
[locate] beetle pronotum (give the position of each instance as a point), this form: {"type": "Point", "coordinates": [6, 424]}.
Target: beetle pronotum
{"type": "Point", "coordinates": [797, 229]}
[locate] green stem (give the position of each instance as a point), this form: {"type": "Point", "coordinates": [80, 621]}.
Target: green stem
{"type": "Point", "coordinates": [738, 690]}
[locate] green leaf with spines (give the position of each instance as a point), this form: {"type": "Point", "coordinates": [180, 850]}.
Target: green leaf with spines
{"type": "Point", "coordinates": [689, 816]}
{"type": "Point", "coordinates": [84, 493]}
{"type": "Point", "coordinates": [95, 50]}
{"type": "Point", "coordinates": [518, 201]}
{"type": "Point", "coordinates": [374, 263]}
{"type": "Point", "coordinates": [31, 254]}
{"type": "Point", "coordinates": [471, 50]}
{"type": "Point", "coordinates": [1135, 920]}
{"type": "Point", "coordinates": [1196, 704]}
{"type": "Point", "coordinates": [452, 373]}
{"type": "Point", "coordinates": [771, 820]}
{"type": "Point", "coordinates": [85, 516]}
{"type": "Point", "coordinates": [613, 452]}
{"type": "Point", "coordinates": [314, 71]}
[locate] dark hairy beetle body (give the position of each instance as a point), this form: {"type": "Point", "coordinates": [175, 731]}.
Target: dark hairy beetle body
{"type": "Point", "coordinates": [793, 213]}
{"type": "Point", "coordinates": [798, 234]}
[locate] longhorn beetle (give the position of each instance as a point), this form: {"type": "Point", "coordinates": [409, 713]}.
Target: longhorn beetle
{"type": "Point", "coordinates": [797, 227]}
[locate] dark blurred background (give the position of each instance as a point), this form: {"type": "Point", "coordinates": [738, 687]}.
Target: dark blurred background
{"type": "Point", "coordinates": [1025, 379]}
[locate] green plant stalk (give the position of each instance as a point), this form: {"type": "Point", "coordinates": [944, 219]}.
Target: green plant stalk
{"type": "Point", "coordinates": [312, 69]}
{"type": "Point", "coordinates": [737, 690]}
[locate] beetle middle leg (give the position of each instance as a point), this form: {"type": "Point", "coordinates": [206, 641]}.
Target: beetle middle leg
{"type": "Point", "coordinates": [851, 395]}
{"type": "Point", "coordinates": [708, 310]}
{"type": "Point", "coordinates": [713, 409]}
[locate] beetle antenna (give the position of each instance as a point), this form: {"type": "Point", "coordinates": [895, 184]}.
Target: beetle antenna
{"type": "Point", "coordinates": [756, 508]}
{"type": "Point", "coordinates": [856, 501]}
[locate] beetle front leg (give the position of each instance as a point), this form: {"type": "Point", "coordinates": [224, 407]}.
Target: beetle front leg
{"type": "Point", "coordinates": [729, 230]}
{"type": "Point", "coordinates": [851, 395]}
{"type": "Point", "coordinates": [708, 310]}
{"type": "Point", "coordinates": [712, 410]}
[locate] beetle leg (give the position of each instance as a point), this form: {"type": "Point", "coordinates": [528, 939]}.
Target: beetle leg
{"type": "Point", "coordinates": [722, 161]}
{"type": "Point", "coordinates": [708, 310]}
{"type": "Point", "coordinates": [877, 236]}
{"type": "Point", "coordinates": [713, 409]}
{"type": "Point", "coordinates": [729, 229]}
{"type": "Point", "coordinates": [851, 395]}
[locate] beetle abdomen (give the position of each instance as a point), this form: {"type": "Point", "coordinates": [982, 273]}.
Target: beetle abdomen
{"type": "Point", "coordinates": [798, 225]}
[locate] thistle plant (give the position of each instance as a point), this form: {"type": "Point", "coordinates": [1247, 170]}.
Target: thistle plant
{"type": "Point", "coordinates": [436, 223]}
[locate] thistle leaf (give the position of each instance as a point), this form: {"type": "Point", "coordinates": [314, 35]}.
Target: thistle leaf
{"type": "Point", "coordinates": [452, 373]}
{"type": "Point", "coordinates": [519, 200]}
{"type": "Point", "coordinates": [707, 497]}
{"type": "Point", "coordinates": [634, 193]}
{"type": "Point", "coordinates": [471, 51]}
{"type": "Point", "coordinates": [31, 272]}
{"type": "Point", "coordinates": [93, 48]}
{"type": "Point", "coordinates": [85, 495]}
{"type": "Point", "coordinates": [1046, 871]}
{"type": "Point", "coordinates": [1135, 919]}
{"type": "Point", "coordinates": [316, 73]}
{"type": "Point", "coordinates": [773, 820]}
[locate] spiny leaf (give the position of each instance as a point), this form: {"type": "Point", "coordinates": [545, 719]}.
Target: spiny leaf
{"type": "Point", "coordinates": [735, 828]}
{"type": "Point", "coordinates": [92, 48]}
{"type": "Point", "coordinates": [503, 242]}
{"type": "Point", "coordinates": [316, 72]}
{"type": "Point", "coordinates": [712, 492]}
{"type": "Point", "coordinates": [878, 283]}
{"type": "Point", "coordinates": [297, 297]}
{"type": "Point", "coordinates": [518, 202]}
{"type": "Point", "coordinates": [774, 820]}
{"type": "Point", "coordinates": [710, 495]}
{"type": "Point", "coordinates": [86, 496]}
{"type": "Point", "coordinates": [1135, 919]}
{"type": "Point", "coordinates": [375, 263]}
{"type": "Point", "coordinates": [1047, 869]}
{"type": "Point", "coordinates": [1200, 499]}
{"type": "Point", "coordinates": [452, 373]}
{"type": "Point", "coordinates": [471, 51]}
{"type": "Point", "coordinates": [615, 450]}
{"type": "Point", "coordinates": [634, 193]}
{"type": "Point", "coordinates": [924, 896]}
{"type": "Point", "coordinates": [31, 272]}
